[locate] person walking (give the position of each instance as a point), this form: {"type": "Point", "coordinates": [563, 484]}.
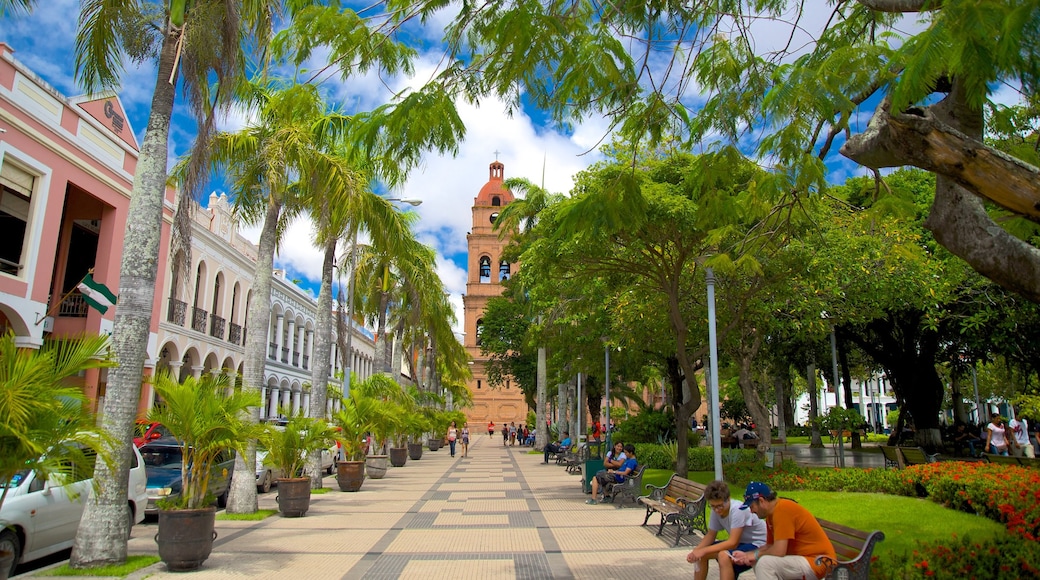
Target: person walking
{"type": "Point", "coordinates": [1020, 434]}
{"type": "Point", "coordinates": [453, 434]}
{"type": "Point", "coordinates": [465, 439]}
{"type": "Point", "coordinates": [505, 434]}
{"type": "Point", "coordinates": [491, 428]}
{"type": "Point", "coordinates": [796, 545]}
{"type": "Point", "coordinates": [512, 433]}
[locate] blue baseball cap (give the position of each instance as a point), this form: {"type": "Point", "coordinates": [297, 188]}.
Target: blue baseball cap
{"type": "Point", "coordinates": [755, 490]}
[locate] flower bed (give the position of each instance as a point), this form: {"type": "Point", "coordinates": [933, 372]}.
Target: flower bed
{"type": "Point", "coordinates": [1002, 558]}
{"type": "Point", "coordinates": [1004, 493]}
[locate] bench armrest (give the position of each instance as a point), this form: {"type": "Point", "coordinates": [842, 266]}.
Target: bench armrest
{"type": "Point", "coordinates": [656, 492]}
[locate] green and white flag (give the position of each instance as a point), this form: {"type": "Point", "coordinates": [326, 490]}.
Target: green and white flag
{"type": "Point", "coordinates": [97, 295]}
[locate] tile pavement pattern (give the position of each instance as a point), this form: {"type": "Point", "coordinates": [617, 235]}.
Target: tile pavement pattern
{"type": "Point", "coordinates": [498, 514]}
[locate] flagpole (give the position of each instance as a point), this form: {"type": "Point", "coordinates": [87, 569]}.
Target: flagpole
{"type": "Point", "coordinates": [63, 297]}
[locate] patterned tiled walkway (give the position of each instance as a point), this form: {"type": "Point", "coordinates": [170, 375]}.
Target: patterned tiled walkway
{"type": "Point", "coordinates": [500, 513]}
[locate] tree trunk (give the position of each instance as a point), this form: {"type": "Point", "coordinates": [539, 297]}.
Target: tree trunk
{"type": "Point", "coordinates": [242, 496]}
{"type": "Point", "coordinates": [395, 352]}
{"type": "Point", "coordinates": [960, 414]}
{"type": "Point", "coordinates": [758, 411]}
{"type": "Point", "coordinates": [846, 381]}
{"type": "Point", "coordinates": [781, 420]}
{"type": "Point", "coordinates": [321, 361]}
{"type": "Point", "coordinates": [384, 347]}
{"type": "Point", "coordinates": [814, 405]}
{"type": "Point", "coordinates": [542, 433]}
{"type": "Point", "coordinates": [101, 539]}
{"type": "Point", "coordinates": [946, 139]}
{"type": "Point", "coordinates": [683, 411]}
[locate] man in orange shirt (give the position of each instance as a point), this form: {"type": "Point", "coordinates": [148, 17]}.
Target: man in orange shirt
{"type": "Point", "coordinates": [796, 546]}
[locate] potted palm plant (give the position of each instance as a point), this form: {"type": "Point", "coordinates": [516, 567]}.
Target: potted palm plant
{"type": "Point", "coordinates": [353, 422]}
{"type": "Point", "coordinates": [383, 425]}
{"type": "Point", "coordinates": [45, 425]}
{"type": "Point", "coordinates": [208, 419]}
{"type": "Point", "coordinates": [416, 425]}
{"type": "Point", "coordinates": [287, 450]}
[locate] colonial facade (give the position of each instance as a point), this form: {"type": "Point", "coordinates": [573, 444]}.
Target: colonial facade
{"type": "Point", "coordinates": [486, 271]}
{"type": "Point", "coordinates": [203, 328]}
{"type": "Point", "coordinates": [66, 174]}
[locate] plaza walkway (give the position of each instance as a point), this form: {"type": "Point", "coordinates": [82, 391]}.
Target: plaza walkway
{"type": "Point", "coordinates": [500, 513]}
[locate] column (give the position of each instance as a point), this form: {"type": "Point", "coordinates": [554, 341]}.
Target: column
{"type": "Point", "coordinates": [310, 348]}
{"type": "Point", "coordinates": [291, 346]}
{"type": "Point", "coordinates": [263, 402]}
{"type": "Point", "coordinates": [272, 410]}
{"type": "Point", "coordinates": [278, 337]}
{"type": "Point", "coordinates": [286, 402]}
{"type": "Point", "coordinates": [295, 402]}
{"type": "Point", "coordinates": [305, 404]}
{"type": "Point", "coordinates": [300, 331]}
{"type": "Point", "coordinates": [197, 371]}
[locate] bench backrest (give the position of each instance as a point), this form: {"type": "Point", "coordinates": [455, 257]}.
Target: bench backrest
{"type": "Point", "coordinates": [680, 487]}
{"type": "Point", "coordinates": [891, 454]}
{"type": "Point", "coordinates": [853, 547]}
{"type": "Point", "coordinates": [992, 458]}
{"type": "Point", "coordinates": [915, 455]}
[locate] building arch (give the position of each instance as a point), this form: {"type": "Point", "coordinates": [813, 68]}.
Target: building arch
{"type": "Point", "coordinates": [485, 269]}
{"type": "Point", "coordinates": [217, 303]}
{"type": "Point", "coordinates": [503, 271]}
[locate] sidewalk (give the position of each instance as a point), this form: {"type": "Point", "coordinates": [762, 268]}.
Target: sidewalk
{"type": "Point", "coordinates": [500, 513]}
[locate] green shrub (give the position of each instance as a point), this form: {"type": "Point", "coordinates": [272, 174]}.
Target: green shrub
{"type": "Point", "coordinates": [741, 473]}
{"type": "Point", "coordinates": [1000, 558]}
{"type": "Point", "coordinates": [653, 456]}
{"type": "Point", "coordinates": [649, 426]}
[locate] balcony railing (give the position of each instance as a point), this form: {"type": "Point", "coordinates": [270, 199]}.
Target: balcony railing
{"type": "Point", "coordinates": [74, 306]}
{"type": "Point", "coordinates": [176, 312]}
{"type": "Point", "coordinates": [285, 354]}
{"type": "Point", "coordinates": [216, 327]}
{"type": "Point", "coordinates": [272, 352]}
{"type": "Point", "coordinates": [306, 361]}
{"type": "Point", "coordinates": [198, 319]}
{"type": "Point", "coordinates": [235, 334]}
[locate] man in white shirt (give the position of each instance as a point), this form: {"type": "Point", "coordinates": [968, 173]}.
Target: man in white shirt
{"type": "Point", "coordinates": [746, 533]}
{"type": "Point", "coordinates": [1020, 432]}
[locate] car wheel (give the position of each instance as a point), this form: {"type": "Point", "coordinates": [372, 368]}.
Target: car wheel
{"type": "Point", "coordinates": [9, 543]}
{"type": "Point", "coordinates": [130, 524]}
{"type": "Point", "coordinates": [265, 485]}
{"type": "Point", "coordinates": [331, 468]}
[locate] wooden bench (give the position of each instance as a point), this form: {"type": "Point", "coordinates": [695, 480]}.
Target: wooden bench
{"type": "Point", "coordinates": [630, 488]}
{"type": "Point", "coordinates": [563, 455]}
{"type": "Point", "coordinates": [916, 456]}
{"type": "Point", "coordinates": [892, 456]}
{"type": "Point", "coordinates": [680, 502]}
{"type": "Point", "coordinates": [846, 434]}
{"type": "Point", "coordinates": [853, 548]}
{"type": "Point", "coordinates": [574, 459]}
{"type": "Point", "coordinates": [1010, 460]}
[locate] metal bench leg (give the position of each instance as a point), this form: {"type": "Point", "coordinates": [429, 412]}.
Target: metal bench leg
{"type": "Point", "coordinates": [660, 528]}
{"type": "Point", "coordinates": [647, 518]}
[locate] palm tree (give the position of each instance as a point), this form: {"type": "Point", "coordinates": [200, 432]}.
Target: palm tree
{"type": "Point", "coordinates": [207, 45]}
{"type": "Point", "coordinates": [274, 164]}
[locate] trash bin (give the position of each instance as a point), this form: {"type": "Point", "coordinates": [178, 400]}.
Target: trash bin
{"type": "Point", "coordinates": [593, 464]}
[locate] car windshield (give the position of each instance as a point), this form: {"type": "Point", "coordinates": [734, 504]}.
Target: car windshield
{"type": "Point", "coordinates": [162, 458]}
{"type": "Point", "coordinates": [15, 480]}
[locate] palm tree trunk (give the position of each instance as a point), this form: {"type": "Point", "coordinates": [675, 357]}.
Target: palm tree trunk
{"type": "Point", "coordinates": [322, 353]}
{"type": "Point", "coordinates": [101, 539]}
{"type": "Point", "coordinates": [383, 346]}
{"type": "Point", "coordinates": [242, 497]}
{"type": "Point", "coordinates": [395, 353]}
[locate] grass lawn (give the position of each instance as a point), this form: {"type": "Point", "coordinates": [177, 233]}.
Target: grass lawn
{"type": "Point", "coordinates": [870, 440]}
{"type": "Point", "coordinates": [902, 519]}
{"type": "Point", "coordinates": [133, 563]}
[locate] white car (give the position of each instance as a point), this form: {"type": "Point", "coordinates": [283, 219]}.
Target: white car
{"type": "Point", "coordinates": [267, 474]}
{"type": "Point", "coordinates": [40, 517]}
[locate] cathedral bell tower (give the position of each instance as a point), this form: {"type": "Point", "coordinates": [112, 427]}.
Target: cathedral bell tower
{"type": "Point", "coordinates": [485, 272]}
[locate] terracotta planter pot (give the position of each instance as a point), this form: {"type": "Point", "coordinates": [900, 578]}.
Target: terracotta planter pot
{"type": "Point", "coordinates": [350, 475]}
{"type": "Point", "coordinates": [185, 537]}
{"type": "Point", "coordinates": [376, 466]}
{"type": "Point", "coordinates": [398, 456]}
{"type": "Point", "coordinates": [294, 496]}
{"type": "Point", "coordinates": [415, 451]}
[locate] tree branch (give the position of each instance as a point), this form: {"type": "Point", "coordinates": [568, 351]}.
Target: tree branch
{"type": "Point", "coordinates": [899, 6]}
{"type": "Point", "coordinates": [917, 137]}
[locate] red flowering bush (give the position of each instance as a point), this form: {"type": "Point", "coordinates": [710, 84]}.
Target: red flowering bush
{"type": "Point", "coordinates": [1001, 558]}
{"type": "Point", "coordinates": [1006, 493]}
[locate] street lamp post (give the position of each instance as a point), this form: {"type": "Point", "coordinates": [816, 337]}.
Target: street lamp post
{"type": "Point", "coordinates": [350, 295]}
{"type": "Point", "coordinates": [837, 401]}
{"type": "Point", "coordinates": [713, 375]}
{"type": "Point", "coordinates": [606, 388]}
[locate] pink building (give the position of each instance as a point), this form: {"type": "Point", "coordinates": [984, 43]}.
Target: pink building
{"type": "Point", "coordinates": [66, 176]}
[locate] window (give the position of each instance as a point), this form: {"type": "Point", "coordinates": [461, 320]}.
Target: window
{"type": "Point", "coordinates": [478, 383]}
{"type": "Point", "coordinates": [496, 201]}
{"type": "Point", "coordinates": [485, 270]}
{"type": "Point", "coordinates": [16, 188]}
{"type": "Point", "coordinates": [480, 330]}
{"type": "Point", "coordinates": [503, 270]}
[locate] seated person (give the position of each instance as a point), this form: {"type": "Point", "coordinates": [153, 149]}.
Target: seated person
{"type": "Point", "coordinates": [743, 434]}
{"type": "Point", "coordinates": [746, 533]}
{"type": "Point", "coordinates": [964, 438]}
{"type": "Point", "coordinates": [614, 475]}
{"type": "Point", "coordinates": [558, 447]}
{"type": "Point", "coordinates": [615, 457]}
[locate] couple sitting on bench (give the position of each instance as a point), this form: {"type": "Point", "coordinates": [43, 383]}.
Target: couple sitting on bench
{"type": "Point", "coordinates": [619, 464]}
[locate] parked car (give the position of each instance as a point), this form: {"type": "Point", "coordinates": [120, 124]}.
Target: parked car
{"type": "Point", "coordinates": [266, 474]}
{"type": "Point", "coordinates": [145, 432]}
{"type": "Point", "coordinates": [162, 461]}
{"type": "Point", "coordinates": [40, 517]}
